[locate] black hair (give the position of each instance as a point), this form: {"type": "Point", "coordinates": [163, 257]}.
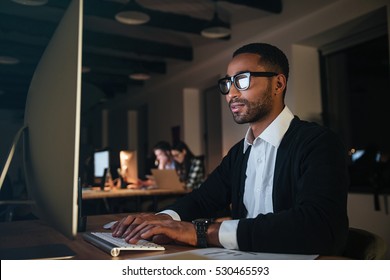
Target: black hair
{"type": "Point", "coordinates": [184, 167]}
{"type": "Point", "coordinates": [180, 146]}
{"type": "Point", "coordinates": [271, 56]}
{"type": "Point", "coordinates": [162, 145]}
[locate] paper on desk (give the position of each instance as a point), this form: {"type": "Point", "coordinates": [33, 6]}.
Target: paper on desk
{"type": "Point", "coordinates": [226, 254]}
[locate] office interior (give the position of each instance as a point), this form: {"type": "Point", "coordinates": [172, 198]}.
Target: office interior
{"type": "Point", "coordinates": [339, 77]}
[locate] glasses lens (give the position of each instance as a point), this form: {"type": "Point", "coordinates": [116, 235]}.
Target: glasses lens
{"type": "Point", "coordinates": [224, 85]}
{"type": "Point", "coordinates": [242, 81]}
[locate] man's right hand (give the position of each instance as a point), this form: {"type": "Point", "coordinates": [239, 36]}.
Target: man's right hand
{"type": "Point", "coordinates": [126, 226]}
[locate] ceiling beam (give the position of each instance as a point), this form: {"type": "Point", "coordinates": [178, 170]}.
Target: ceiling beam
{"type": "Point", "coordinates": [121, 65]}
{"type": "Point", "coordinates": [46, 29]}
{"type": "Point", "coordinates": [159, 19]}
{"type": "Point", "coordinates": [137, 46]}
{"type": "Point", "coordinates": [272, 6]}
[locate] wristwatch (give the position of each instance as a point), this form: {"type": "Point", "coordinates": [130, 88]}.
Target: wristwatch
{"type": "Point", "coordinates": [201, 226]}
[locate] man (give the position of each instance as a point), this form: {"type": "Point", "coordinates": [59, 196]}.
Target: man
{"type": "Point", "coordinates": [286, 181]}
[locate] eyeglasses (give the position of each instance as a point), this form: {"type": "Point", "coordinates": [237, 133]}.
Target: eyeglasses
{"type": "Point", "coordinates": [175, 154]}
{"type": "Point", "coordinates": [241, 80]}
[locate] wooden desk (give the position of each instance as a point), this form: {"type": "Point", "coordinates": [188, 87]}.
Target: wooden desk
{"type": "Point", "coordinates": [109, 199]}
{"type": "Point", "coordinates": [97, 193]}
{"type": "Point", "coordinates": [36, 233]}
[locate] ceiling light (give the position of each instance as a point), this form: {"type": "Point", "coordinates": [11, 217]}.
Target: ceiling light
{"type": "Point", "coordinates": [139, 76]}
{"type": "Point", "coordinates": [132, 14]}
{"type": "Point", "coordinates": [216, 29]}
{"type": "Point", "coordinates": [31, 2]}
{"type": "Point", "coordinates": [8, 60]}
{"type": "Point", "coordinates": [215, 32]}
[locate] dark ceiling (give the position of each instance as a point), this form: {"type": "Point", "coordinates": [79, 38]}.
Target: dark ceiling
{"type": "Point", "coordinates": [112, 50]}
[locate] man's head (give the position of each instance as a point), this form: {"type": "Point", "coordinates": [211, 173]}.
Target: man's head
{"type": "Point", "coordinates": [255, 83]}
{"type": "Point", "coordinates": [272, 58]}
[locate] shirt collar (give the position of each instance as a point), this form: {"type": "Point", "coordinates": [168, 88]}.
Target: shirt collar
{"type": "Point", "coordinates": [274, 133]}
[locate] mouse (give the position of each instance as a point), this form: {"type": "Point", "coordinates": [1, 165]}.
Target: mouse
{"type": "Point", "coordinates": [109, 225]}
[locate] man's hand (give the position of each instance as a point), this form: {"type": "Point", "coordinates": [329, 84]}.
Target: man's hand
{"type": "Point", "coordinates": [128, 225]}
{"type": "Point", "coordinates": [181, 232]}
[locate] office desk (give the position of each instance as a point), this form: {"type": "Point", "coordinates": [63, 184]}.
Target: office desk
{"type": "Point", "coordinates": [111, 196]}
{"type": "Point", "coordinates": [36, 233]}
{"type": "Point", "coordinates": [97, 193]}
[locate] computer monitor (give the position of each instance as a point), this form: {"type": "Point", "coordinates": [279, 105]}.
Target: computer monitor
{"type": "Point", "coordinates": [129, 166]}
{"type": "Point", "coordinates": [101, 162]}
{"type": "Point", "coordinates": [52, 126]}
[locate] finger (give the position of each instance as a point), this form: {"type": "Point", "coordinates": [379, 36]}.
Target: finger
{"type": "Point", "coordinates": [114, 226]}
{"type": "Point", "coordinates": [122, 226]}
{"type": "Point", "coordinates": [133, 231]}
{"type": "Point", "coordinates": [136, 236]}
{"type": "Point", "coordinates": [151, 231]}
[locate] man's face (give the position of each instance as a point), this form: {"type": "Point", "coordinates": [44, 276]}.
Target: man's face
{"type": "Point", "coordinates": [255, 103]}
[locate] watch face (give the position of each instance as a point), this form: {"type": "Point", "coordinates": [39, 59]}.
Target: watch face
{"type": "Point", "coordinates": [203, 220]}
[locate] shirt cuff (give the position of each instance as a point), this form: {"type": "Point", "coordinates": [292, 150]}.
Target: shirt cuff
{"type": "Point", "coordinates": [171, 213]}
{"type": "Point", "coordinates": [228, 234]}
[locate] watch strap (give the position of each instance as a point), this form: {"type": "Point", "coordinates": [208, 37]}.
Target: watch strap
{"type": "Point", "coordinates": [201, 226]}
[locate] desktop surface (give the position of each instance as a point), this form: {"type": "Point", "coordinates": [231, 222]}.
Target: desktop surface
{"type": "Point", "coordinates": [97, 193]}
{"type": "Point", "coordinates": [35, 233]}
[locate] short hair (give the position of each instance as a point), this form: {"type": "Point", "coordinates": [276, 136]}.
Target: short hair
{"type": "Point", "coordinates": [271, 56]}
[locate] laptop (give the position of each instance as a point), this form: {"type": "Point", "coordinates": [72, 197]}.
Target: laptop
{"type": "Point", "coordinates": [167, 179]}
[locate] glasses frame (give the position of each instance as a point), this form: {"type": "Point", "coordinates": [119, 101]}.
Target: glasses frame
{"type": "Point", "coordinates": [232, 80]}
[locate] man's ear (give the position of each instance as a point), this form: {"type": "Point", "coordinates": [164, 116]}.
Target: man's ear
{"type": "Point", "coordinates": [280, 83]}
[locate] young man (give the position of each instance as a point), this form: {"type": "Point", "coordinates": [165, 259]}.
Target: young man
{"type": "Point", "coordinates": [286, 181]}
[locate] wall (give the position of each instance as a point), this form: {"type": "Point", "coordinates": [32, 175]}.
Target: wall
{"type": "Point", "coordinates": [192, 126]}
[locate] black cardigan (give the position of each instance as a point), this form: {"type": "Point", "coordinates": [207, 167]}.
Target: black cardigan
{"type": "Point", "coordinates": [309, 195]}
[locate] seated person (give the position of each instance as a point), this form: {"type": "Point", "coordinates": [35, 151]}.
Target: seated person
{"type": "Point", "coordinates": [189, 167]}
{"type": "Point", "coordinates": [286, 181]}
{"type": "Point", "coordinates": [164, 160]}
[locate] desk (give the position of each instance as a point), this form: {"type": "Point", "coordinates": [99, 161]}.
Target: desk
{"type": "Point", "coordinates": [154, 194]}
{"type": "Point", "coordinates": [97, 193]}
{"type": "Point", "coordinates": [36, 232]}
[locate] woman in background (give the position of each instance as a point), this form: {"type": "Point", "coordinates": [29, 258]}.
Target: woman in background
{"type": "Point", "coordinates": [164, 159]}
{"type": "Point", "coordinates": [189, 167]}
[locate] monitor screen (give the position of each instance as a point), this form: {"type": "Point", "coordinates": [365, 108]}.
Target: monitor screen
{"type": "Point", "coordinates": [101, 161]}
{"type": "Point", "coordinates": [129, 166]}
{"type": "Point", "coordinates": [52, 119]}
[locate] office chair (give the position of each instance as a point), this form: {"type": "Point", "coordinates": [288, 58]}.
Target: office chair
{"type": "Point", "coordinates": [364, 245]}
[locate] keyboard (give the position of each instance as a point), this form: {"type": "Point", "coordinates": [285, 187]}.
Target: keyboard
{"type": "Point", "coordinates": [114, 245]}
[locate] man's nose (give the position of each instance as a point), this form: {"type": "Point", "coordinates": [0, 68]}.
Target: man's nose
{"type": "Point", "coordinates": [233, 92]}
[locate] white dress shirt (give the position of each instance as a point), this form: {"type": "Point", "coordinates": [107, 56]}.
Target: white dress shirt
{"type": "Point", "coordinates": [260, 174]}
